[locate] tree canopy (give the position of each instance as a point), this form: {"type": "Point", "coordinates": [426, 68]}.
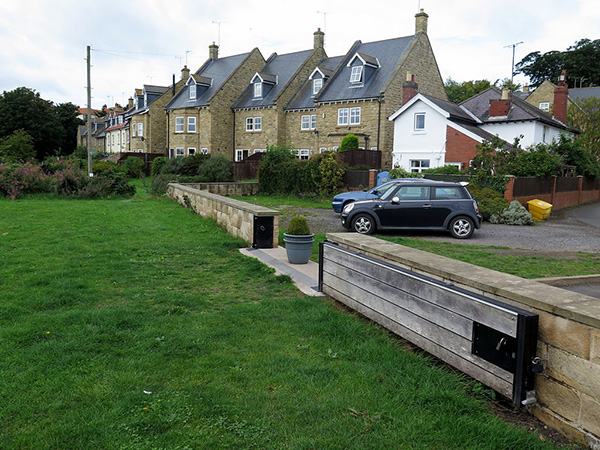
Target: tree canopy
{"type": "Point", "coordinates": [53, 128]}
{"type": "Point", "coordinates": [581, 61]}
{"type": "Point", "coordinates": [459, 92]}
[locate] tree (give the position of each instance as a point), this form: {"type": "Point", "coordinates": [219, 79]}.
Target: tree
{"type": "Point", "coordinates": [24, 109]}
{"type": "Point", "coordinates": [459, 92]}
{"type": "Point", "coordinates": [349, 142]}
{"type": "Point", "coordinates": [17, 147]}
{"type": "Point", "coordinates": [581, 61]}
{"type": "Point", "coordinates": [586, 118]}
{"type": "Point", "coordinates": [69, 122]}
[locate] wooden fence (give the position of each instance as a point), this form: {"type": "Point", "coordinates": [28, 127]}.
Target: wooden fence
{"type": "Point", "coordinates": [357, 157]}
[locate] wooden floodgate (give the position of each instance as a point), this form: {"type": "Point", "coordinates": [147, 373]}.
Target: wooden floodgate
{"type": "Point", "coordinates": [493, 342]}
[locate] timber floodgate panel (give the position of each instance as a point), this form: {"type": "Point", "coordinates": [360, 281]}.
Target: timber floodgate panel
{"type": "Point", "coordinates": [493, 342]}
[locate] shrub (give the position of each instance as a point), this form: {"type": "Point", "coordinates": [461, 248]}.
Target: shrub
{"type": "Point", "coordinates": [106, 167]}
{"type": "Point", "coordinates": [444, 170]}
{"type": "Point", "coordinates": [489, 200]}
{"type": "Point", "coordinates": [18, 146]}
{"type": "Point", "coordinates": [192, 164]}
{"type": "Point", "coordinates": [349, 142]}
{"type": "Point", "coordinates": [328, 173]}
{"type": "Point", "coordinates": [273, 171]}
{"type": "Point", "coordinates": [514, 214]}
{"type": "Point", "coordinates": [298, 226]}
{"type": "Point", "coordinates": [399, 172]}
{"type": "Point", "coordinates": [158, 164]}
{"type": "Point", "coordinates": [133, 167]}
{"type": "Point", "coordinates": [214, 169]}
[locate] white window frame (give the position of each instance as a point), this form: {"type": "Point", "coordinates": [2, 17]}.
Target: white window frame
{"type": "Point", "coordinates": [356, 74]}
{"type": "Point", "coordinates": [258, 124]}
{"type": "Point", "coordinates": [355, 114]}
{"type": "Point", "coordinates": [305, 122]}
{"type": "Point", "coordinates": [179, 152]}
{"type": "Point", "coordinates": [140, 129]}
{"type": "Point", "coordinates": [260, 150]}
{"type": "Point", "coordinates": [418, 128]}
{"type": "Point", "coordinates": [253, 123]}
{"type": "Point", "coordinates": [343, 116]}
{"type": "Point", "coordinates": [241, 154]}
{"type": "Point", "coordinates": [257, 90]}
{"type": "Point", "coordinates": [179, 121]}
{"type": "Point", "coordinates": [303, 153]}
{"type": "Point", "coordinates": [317, 85]}
{"type": "Point", "coordinates": [545, 106]}
{"type": "Point", "coordinates": [191, 124]}
{"type": "Point", "coordinates": [192, 92]}
{"type": "Point", "coordinates": [419, 165]}
{"type": "Point", "coordinates": [204, 150]}
{"type": "Point", "coordinates": [191, 151]}
{"type": "Point", "coordinates": [133, 129]}
{"type": "Point", "coordinates": [322, 149]}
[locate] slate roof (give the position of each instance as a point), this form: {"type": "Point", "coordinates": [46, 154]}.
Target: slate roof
{"type": "Point", "coordinates": [577, 94]}
{"type": "Point", "coordinates": [387, 52]}
{"type": "Point", "coordinates": [305, 99]}
{"type": "Point", "coordinates": [520, 110]}
{"type": "Point", "coordinates": [219, 70]}
{"type": "Point", "coordinates": [280, 69]}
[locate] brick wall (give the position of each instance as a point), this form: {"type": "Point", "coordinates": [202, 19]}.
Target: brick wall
{"type": "Point", "coordinates": [459, 147]}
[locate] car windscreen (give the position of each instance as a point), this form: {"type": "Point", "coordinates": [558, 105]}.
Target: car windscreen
{"type": "Point", "coordinates": [382, 189]}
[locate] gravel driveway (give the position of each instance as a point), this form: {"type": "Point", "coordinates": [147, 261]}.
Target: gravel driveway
{"type": "Point", "coordinates": [560, 232]}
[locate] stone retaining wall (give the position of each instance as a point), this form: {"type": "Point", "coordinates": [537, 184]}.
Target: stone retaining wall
{"type": "Point", "coordinates": [568, 390]}
{"type": "Point", "coordinates": [231, 188]}
{"type": "Point", "coordinates": [237, 217]}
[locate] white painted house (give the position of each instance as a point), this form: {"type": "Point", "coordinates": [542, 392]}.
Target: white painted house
{"type": "Point", "coordinates": [429, 132]}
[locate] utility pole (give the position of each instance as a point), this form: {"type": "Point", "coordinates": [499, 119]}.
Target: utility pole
{"type": "Point", "coordinates": [512, 72]}
{"type": "Point", "coordinates": [89, 113]}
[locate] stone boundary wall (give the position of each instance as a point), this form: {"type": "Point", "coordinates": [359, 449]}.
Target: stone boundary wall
{"type": "Point", "coordinates": [230, 188]}
{"type": "Point", "coordinates": [568, 390]}
{"type": "Point", "coordinates": [237, 217]}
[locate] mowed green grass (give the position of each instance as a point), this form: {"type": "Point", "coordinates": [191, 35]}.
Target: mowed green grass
{"type": "Point", "coordinates": [135, 324]}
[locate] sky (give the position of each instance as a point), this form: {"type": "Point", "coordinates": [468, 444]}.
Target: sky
{"type": "Point", "coordinates": [44, 43]}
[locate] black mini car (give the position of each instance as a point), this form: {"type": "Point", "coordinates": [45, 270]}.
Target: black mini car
{"type": "Point", "coordinates": [422, 205]}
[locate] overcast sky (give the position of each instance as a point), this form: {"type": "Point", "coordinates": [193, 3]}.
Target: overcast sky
{"type": "Point", "coordinates": [43, 43]}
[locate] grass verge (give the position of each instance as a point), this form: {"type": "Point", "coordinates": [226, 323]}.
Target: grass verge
{"type": "Point", "coordinates": [137, 324]}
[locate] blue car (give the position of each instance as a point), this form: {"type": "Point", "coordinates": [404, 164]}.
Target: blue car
{"type": "Point", "coordinates": [341, 200]}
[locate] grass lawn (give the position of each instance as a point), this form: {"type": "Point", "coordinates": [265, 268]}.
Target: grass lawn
{"type": "Point", "coordinates": [135, 324]}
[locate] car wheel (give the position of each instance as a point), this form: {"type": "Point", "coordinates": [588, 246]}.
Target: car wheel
{"type": "Point", "coordinates": [363, 224]}
{"type": "Point", "coordinates": [461, 227]}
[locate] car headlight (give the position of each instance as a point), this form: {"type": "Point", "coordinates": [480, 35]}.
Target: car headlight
{"type": "Point", "coordinates": [348, 208]}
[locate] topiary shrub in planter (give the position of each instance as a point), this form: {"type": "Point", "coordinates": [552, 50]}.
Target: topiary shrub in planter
{"type": "Point", "coordinates": [298, 241]}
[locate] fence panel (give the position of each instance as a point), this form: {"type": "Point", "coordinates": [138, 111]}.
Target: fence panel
{"type": "Point", "coordinates": [356, 178]}
{"type": "Point", "coordinates": [357, 157]}
{"type": "Point", "coordinates": [567, 184]}
{"type": "Point", "coordinates": [526, 186]}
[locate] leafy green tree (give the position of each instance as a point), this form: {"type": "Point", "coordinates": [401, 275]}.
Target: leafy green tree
{"type": "Point", "coordinates": [459, 92]}
{"type": "Point", "coordinates": [69, 122]}
{"type": "Point", "coordinates": [586, 118]}
{"type": "Point", "coordinates": [582, 62]}
{"type": "Point", "coordinates": [17, 147]}
{"type": "Point", "coordinates": [24, 109]}
{"type": "Point", "coordinates": [216, 168]}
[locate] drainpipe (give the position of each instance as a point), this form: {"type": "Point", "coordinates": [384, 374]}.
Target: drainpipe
{"type": "Point", "coordinates": [233, 134]}
{"type": "Point", "coordinates": [168, 134]}
{"type": "Point", "coordinates": [379, 126]}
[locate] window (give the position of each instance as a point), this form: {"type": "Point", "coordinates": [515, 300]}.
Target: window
{"type": "Point", "coordinates": [355, 116]}
{"type": "Point", "coordinates": [412, 193]}
{"type": "Point", "coordinates": [317, 85]}
{"type": "Point", "coordinates": [374, 149]}
{"type": "Point", "coordinates": [140, 129]}
{"type": "Point", "coordinates": [120, 120]}
{"type": "Point", "coordinates": [253, 123]}
{"type": "Point", "coordinates": [544, 133]}
{"type": "Point", "coordinates": [420, 122]}
{"type": "Point", "coordinates": [192, 92]}
{"type": "Point", "coordinates": [133, 128]}
{"type": "Point", "coordinates": [191, 151]}
{"type": "Point", "coordinates": [309, 122]}
{"type": "Point", "coordinates": [179, 152]}
{"type": "Point", "coordinates": [302, 153]}
{"type": "Point", "coordinates": [204, 151]}
{"type": "Point", "coordinates": [343, 116]}
{"type": "Point", "coordinates": [356, 75]}
{"type": "Point", "coordinates": [241, 154]}
{"type": "Point", "coordinates": [545, 106]}
{"type": "Point", "coordinates": [191, 124]}
{"type": "Point", "coordinates": [418, 165]}
{"type": "Point", "coordinates": [260, 150]}
{"type": "Point", "coordinates": [447, 193]}
{"type": "Point", "coordinates": [257, 90]}
{"type": "Point", "coordinates": [178, 124]}
{"type": "Point", "coordinates": [322, 149]}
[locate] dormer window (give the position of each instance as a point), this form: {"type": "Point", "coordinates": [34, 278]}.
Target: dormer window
{"type": "Point", "coordinates": [192, 92]}
{"type": "Point", "coordinates": [317, 85]}
{"type": "Point", "coordinates": [257, 90]}
{"type": "Point", "coordinates": [356, 75]}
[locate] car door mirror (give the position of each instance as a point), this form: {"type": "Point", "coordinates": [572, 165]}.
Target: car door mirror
{"type": "Point", "coordinates": [395, 200]}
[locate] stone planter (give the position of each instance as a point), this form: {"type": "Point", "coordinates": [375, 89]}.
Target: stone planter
{"type": "Point", "coordinates": [298, 247]}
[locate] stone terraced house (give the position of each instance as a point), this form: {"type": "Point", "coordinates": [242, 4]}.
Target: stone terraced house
{"type": "Point", "coordinates": [260, 119]}
{"type": "Point", "coordinates": [200, 117]}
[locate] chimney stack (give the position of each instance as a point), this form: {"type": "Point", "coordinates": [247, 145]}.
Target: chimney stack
{"type": "Point", "coordinates": [421, 22]}
{"type": "Point", "coordinates": [130, 103]}
{"type": "Point", "coordinates": [319, 39]}
{"type": "Point", "coordinates": [185, 73]}
{"type": "Point", "coordinates": [561, 92]}
{"type": "Point", "coordinates": [213, 51]}
{"type": "Point", "coordinates": [410, 88]}
{"type": "Point", "coordinates": [500, 108]}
